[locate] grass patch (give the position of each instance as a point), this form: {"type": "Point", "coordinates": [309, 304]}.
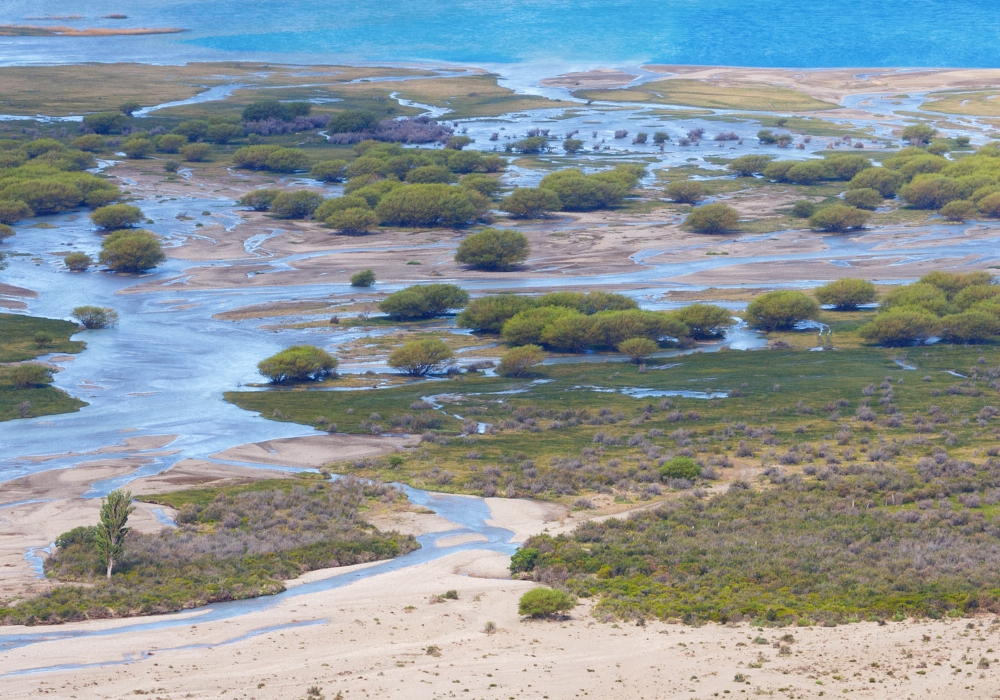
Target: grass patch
{"type": "Point", "coordinates": [973, 104]}
{"type": "Point", "coordinates": [697, 93]}
{"type": "Point", "coordinates": [586, 437]}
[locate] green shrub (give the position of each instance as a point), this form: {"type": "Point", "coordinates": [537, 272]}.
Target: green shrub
{"type": "Point", "coordinates": [680, 468]}
{"type": "Point", "coordinates": [89, 142]}
{"type": "Point", "coordinates": [902, 326]}
{"type": "Point", "coordinates": [224, 133]}
{"type": "Point", "coordinates": [864, 198]}
{"type": "Point", "coordinates": [838, 218]}
{"type": "Point", "coordinates": [530, 203]}
{"type": "Point", "coordinates": [778, 170]}
{"type": "Point", "coordinates": [580, 192]}
{"type": "Point", "coordinates": [78, 262]}
{"type": "Point", "coordinates": [48, 196]}
{"type": "Point", "coordinates": [540, 603]}
{"type": "Point", "coordinates": [638, 349]}
{"type": "Point", "coordinates": [610, 328]}
{"type": "Point", "coordinates": [5, 232]}
{"type": "Point", "coordinates": [355, 221]}
{"type": "Point", "coordinates": [12, 211]}
{"type": "Point", "coordinates": [491, 249]}
{"type": "Point", "coordinates": [365, 278]}
{"type": "Point", "coordinates": [846, 294]}
{"type": "Point", "coordinates": [712, 218]}
{"type": "Point", "coordinates": [532, 144]}
{"type": "Point", "coordinates": [137, 147]}
{"type": "Point", "coordinates": [525, 327]}
{"type": "Point", "coordinates": [170, 143]}
{"type": "Point", "coordinates": [196, 152]}
{"type": "Point", "coordinates": [932, 191]}
{"type": "Point", "coordinates": [882, 180]}
{"type": "Point", "coordinates": [705, 321]}
{"type": "Point", "coordinates": [921, 295]}
{"type": "Point", "coordinates": [569, 332]}
{"type": "Point", "coordinates": [297, 204]}
{"type": "Point", "coordinates": [483, 184]}
{"type": "Point", "coordinates": [589, 303]}
{"type": "Point", "coordinates": [117, 216]}
{"type": "Point", "coordinates": [192, 129]}
{"type": "Point", "coordinates": [959, 210]}
{"type": "Point", "coordinates": [918, 133]}
{"type": "Point", "coordinates": [952, 283]}
{"type": "Point", "coordinates": [329, 170]}
{"type": "Point", "coordinates": [105, 122]}
{"type": "Point", "coordinates": [969, 327]}
{"type": "Point", "coordinates": [423, 301]}
{"type": "Point", "coordinates": [371, 192]}
{"type": "Point", "coordinates": [420, 357]}
{"type": "Point", "coordinates": [781, 310]}
{"type": "Point", "coordinates": [27, 375]}
{"type": "Point", "coordinates": [262, 110]}
{"type": "Point", "coordinates": [518, 361]}
{"type": "Point", "coordinates": [807, 172]}
{"type": "Point", "coordinates": [488, 314]}
{"type": "Point", "coordinates": [749, 165]}
{"type": "Point", "coordinates": [523, 560]}
{"type": "Point", "coordinates": [286, 160]}
{"type": "Point", "coordinates": [431, 205]}
{"type": "Point", "coordinates": [93, 317]}
{"type": "Point", "coordinates": [260, 200]}
{"type": "Point", "coordinates": [686, 192]}
{"type": "Point", "coordinates": [974, 294]}
{"type": "Point", "coordinates": [298, 363]}
{"type": "Point", "coordinates": [430, 174]}
{"type": "Point", "coordinates": [130, 250]}
{"type": "Point", "coordinates": [571, 145]}
{"type": "Point", "coordinates": [253, 157]}
{"type": "Point", "coordinates": [457, 143]}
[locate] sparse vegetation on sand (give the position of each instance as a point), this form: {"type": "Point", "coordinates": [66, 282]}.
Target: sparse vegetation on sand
{"type": "Point", "coordinates": [698, 93]}
{"type": "Point", "coordinates": [232, 543]}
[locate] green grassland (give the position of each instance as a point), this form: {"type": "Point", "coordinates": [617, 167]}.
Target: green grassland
{"type": "Point", "coordinates": [794, 392]}
{"type": "Point", "coordinates": [18, 343]}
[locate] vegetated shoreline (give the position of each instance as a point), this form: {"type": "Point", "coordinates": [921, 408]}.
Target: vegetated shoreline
{"type": "Point", "coordinates": [32, 30]}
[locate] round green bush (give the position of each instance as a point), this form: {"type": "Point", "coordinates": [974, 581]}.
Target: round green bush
{"type": "Point", "coordinates": [116, 216]}
{"type": "Point", "coordinates": [170, 143]}
{"type": "Point", "coordinates": [137, 147]}
{"type": "Point", "coordinates": [864, 198]}
{"type": "Point", "coordinates": [355, 221]}
{"type": "Point", "coordinates": [545, 602]}
{"type": "Point", "coordinates": [365, 278]}
{"type": "Point", "coordinates": [298, 363]}
{"type": "Point", "coordinates": [902, 326]}
{"type": "Point", "coordinates": [846, 294]}
{"type": "Point", "coordinates": [488, 314]}
{"type": "Point", "coordinates": [882, 180]}
{"type": "Point", "coordinates": [329, 170]}
{"type": "Point", "coordinates": [423, 301]}
{"type": "Point", "coordinates": [638, 349]}
{"type": "Point", "coordinates": [196, 152]}
{"type": "Point", "coordinates": [298, 204]}
{"type": "Point", "coordinates": [838, 218]}
{"type": "Point", "coordinates": [705, 321]}
{"type": "Point", "coordinates": [335, 204]}
{"type": "Point", "coordinates": [258, 200]}
{"type": "Point", "coordinates": [686, 192]}
{"type": "Point", "coordinates": [530, 203]}
{"type": "Point", "coordinates": [959, 210]}
{"type": "Point", "coordinates": [494, 250]}
{"type": "Point", "coordinates": [712, 218]}
{"type": "Point", "coordinates": [93, 317]}
{"type": "Point", "coordinates": [516, 362]}
{"type": "Point", "coordinates": [781, 310]}
{"type": "Point", "coordinates": [680, 468]}
{"type": "Point", "coordinates": [130, 250]}
{"type": "Point", "coordinates": [5, 232]}
{"type": "Point", "coordinates": [803, 209]}
{"type": "Point", "coordinates": [420, 357]}
{"type": "Point", "coordinates": [78, 262]}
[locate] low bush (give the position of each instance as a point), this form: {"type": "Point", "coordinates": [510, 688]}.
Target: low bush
{"type": "Point", "coordinates": [12, 211]}
{"type": "Point", "coordinates": [749, 165]}
{"type": "Point", "coordinates": [117, 216]}
{"type": "Point", "coordinates": [431, 205]}
{"type": "Point", "coordinates": [298, 363]}
{"type": "Point", "coordinates": [105, 122]}
{"type": "Point", "coordinates": [488, 314]}
{"type": "Point", "coordinates": [295, 204]}
{"type": "Point", "coordinates": [96, 316]}
{"type": "Point", "coordinates": [364, 278]}
{"type": "Point", "coordinates": [781, 310]}
{"type": "Point", "coordinates": [78, 262]}
{"type": "Point", "coordinates": [329, 170]}
{"type": "Point", "coordinates": [705, 321]}
{"type": "Point", "coordinates": [27, 375]}
{"type": "Point", "coordinates": [354, 221]}
{"type": "Point", "coordinates": [258, 200]}
{"type": "Point", "coordinates": [518, 361]}
{"type": "Point", "coordinates": [900, 326]}
{"type": "Point", "coordinates": [838, 218]}
{"type": "Point", "coordinates": [170, 143]}
{"type": "Point", "coordinates": [686, 192]}
{"type": "Point", "coordinates": [423, 301]}
{"type": "Point", "coordinates": [959, 210]}
{"type": "Point", "coordinates": [863, 198]}
{"type": "Point", "coordinates": [196, 152]}
{"type": "Point", "coordinates": [969, 327]}
{"type": "Point", "coordinates": [494, 250]}
{"type": "Point", "coordinates": [530, 203]}
{"type": "Point", "coordinates": [846, 294]}
{"type": "Point", "coordinates": [540, 603]}
{"type": "Point", "coordinates": [638, 350]}
{"type": "Point", "coordinates": [418, 358]}
{"type": "Point", "coordinates": [680, 468]}
{"type": "Point", "coordinates": [712, 218]}
{"type": "Point", "coordinates": [131, 250]}
{"type": "Point", "coordinates": [137, 147]}
{"type": "Point", "coordinates": [882, 180]}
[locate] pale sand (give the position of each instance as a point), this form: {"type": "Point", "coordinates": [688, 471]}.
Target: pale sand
{"type": "Point", "coordinates": [456, 540]}
{"type": "Point", "coordinates": [522, 516]}
{"type": "Point", "coordinates": [314, 451]}
{"type": "Point", "coordinates": [833, 85]}
{"type": "Point", "coordinates": [591, 79]}
{"type": "Point", "coordinates": [369, 643]}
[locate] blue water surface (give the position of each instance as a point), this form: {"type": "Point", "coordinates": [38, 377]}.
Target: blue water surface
{"type": "Point", "coordinates": [818, 34]}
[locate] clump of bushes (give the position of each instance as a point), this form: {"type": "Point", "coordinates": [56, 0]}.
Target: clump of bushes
{"type": "Point", "coordinates": [541, 603]}
{"type": "Point", "coordinates": [418, 358]}
{"type": "Point", "coordinates": [846, 294]}
{"type": "Point", "coordinates": [838, 218]}
{"type": "Point", "coordinates": [116, 216]}
{"type": "Point", "coordinates": [781, 310]}
{"type": "Point", "coordinates": [518, 361]}
{"type": "Point", "coordinates": [365, 278]}
{"type": "Point", "coordinates": [91, 317]}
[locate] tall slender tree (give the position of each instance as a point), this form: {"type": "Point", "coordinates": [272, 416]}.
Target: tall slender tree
{"type": "Point", "coordinates": [111, 531]}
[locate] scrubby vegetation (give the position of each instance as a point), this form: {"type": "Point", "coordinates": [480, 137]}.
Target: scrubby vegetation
{"type": "Point", "coordinates": [233, 542]}
{"type": "Point", "coordinates": [494, 250]}
{"type": "Point", "coordinates": [781, 310]}
{"type": "Point", "coordinates": [959, 308]}
{"type": "Point", "coordinates": [847, 293]}
{"type": "Point", "coordinates": [712, 218]}
{"type": "Point", "coordinates": [424, 301]}
{"type": "Point", "coordinates": [131, 250]}
{"type": "Point", "coordinates": [298, 363]}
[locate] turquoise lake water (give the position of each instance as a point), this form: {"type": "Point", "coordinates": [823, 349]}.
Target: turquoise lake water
{"type": "Point", "coordinates": [818, 34]}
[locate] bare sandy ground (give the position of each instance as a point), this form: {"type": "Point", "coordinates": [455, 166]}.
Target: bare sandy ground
{"type": "Point", "coordinates": [384, 638]}
{"type": "Point", "coordinates": [591, 79]}
{"type": "Point", "coordinates": [835, 84]}
{"type": "Point", "coordinates": [314, 451]}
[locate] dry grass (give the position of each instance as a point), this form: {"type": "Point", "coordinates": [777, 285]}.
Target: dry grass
{"type": "Point", "coordinates": [697, 93]}
{"type": "Point", "coordinates": [974, 104]}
